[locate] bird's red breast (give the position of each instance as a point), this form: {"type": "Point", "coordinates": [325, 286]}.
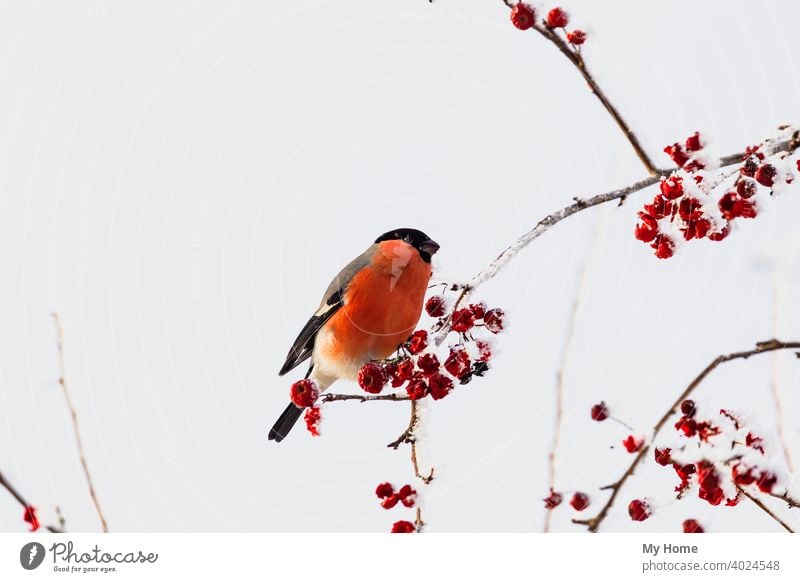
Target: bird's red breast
{"type": "Point", "coordinates": [382, 305]}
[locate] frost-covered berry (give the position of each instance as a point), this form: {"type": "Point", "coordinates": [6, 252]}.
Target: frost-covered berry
{"type": "Point", "coordinates": [390, 501]}
{"type": "Point", "coordinates": [677, 154]}
{"type": "Point", "coordinates": [523, 16]}
{"type": "Point", "coordinates": [313, 417]}
{"type": "Point", "coordinates": [672, 187]}
{"type": "Point", "coordinates": [662, 456]}
{"type": "Point", "coordinates": [579, 501]}
{"type": "Point", "coordinates": [639, 510]}
{"type": "Point", "coordinates": [553, 500]}
{"type": "Point", "coordinates": [435, 306]}
{"type": "Point", "coordinates": [439, 386]}
{"type": "Point", "coordinates": [557, 18]}
{"type": "Point", "coordinates": [746, 188]}
{"type": "Point", "coordinates": [403, 526]}
{"type": "Point", "coordinates": [407, 495]}
{"type": "Point", "coordinates": [428, 363]}
{"type": "Point", "coordinates": [304, 393]}
{"type": "Point", "coordinates": [693, 143]}
{"type": "Point", "coordinates": [688, 408]}
{"type": "Point", "coordinates": [577, 37]}
{"type": "Point", "coordinates": [664, 246]}
{"type": "Point", "coordinates": [599, 412]}
{"type": "Point", "coordinates": [372, 378]}
{"type": "Point", "coordinates": [765, 174]}
{"type": "Point", "coordinates": [647, 230]}
{"type": "Point", "coordinates": [384, 490]}
{"type": "Point", "coordinates": [493, 320]}
{"type": "Point", "coordinates": [463, 320]}
{"type": "Point", "coordinates": [457, 363]}
{"type": "Point", "coordinates": [419, 341]}
{"type": "Point", "coordinates": [478, 309]}
{"type": "Point", "coordinates": [417, 388]}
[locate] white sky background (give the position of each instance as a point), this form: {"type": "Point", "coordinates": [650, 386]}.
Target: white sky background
{"type": "Point", "coordinates": [180, 182]}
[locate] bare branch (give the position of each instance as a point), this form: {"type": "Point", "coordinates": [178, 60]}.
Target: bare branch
{"type": "Point", "coordinates": [363, 397]}
{"type": "Point", "coordinates": [761, 347]}
{"type": "Point", "coordinates": [410, 438]}
{"type": "Point", "coordinates": [787, 498]}
{"type": "Point", "coordinates": [764, 508]}
{"type": "Point", "coordinates": [75, 427]}
{"type": "Point", "coordinates": [24, 503]}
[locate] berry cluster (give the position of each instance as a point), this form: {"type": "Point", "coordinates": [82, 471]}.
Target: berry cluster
{"type": "Point", "coordinates": [685, 208]}
{"type": "Point", "coordinates": [389, 498]}
{"type": "Point", "coordinates": [742, 452]}
{"type": "Point", "coordinates": [421, 371]}
{"type": "Point", "coordinates": [523, 16]}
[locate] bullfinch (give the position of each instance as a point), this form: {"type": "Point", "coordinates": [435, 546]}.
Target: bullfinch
{"type": "Point", "coordinates": [369, 309]}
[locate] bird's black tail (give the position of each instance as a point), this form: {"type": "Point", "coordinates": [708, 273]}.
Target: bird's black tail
{"type": "Point", "coordinates": [285, 423]}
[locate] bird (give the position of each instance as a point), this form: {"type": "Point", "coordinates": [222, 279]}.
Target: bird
{"type": "Point", "coordinates": [369, 309]}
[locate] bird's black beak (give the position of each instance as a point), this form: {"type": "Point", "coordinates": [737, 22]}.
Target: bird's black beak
{"type": "Point", "coordinates": [429, 247]}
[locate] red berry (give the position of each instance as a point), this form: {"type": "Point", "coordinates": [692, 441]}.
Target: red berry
{"type": "Point", "coordinates": [599, 412]}
{"type": "Point", "coordinates": [744, 209]}
{"type": "Point", "coordinates": [766, 481]}
{"type": "Point", "coordinates": [493, 320]}
{"type": "Point", "coordinates": [689, 209]}
{"type": "Point", "coordinates": [428, 363]}
{"type": "Point", "coordinates": [663, 457]}
{"type": "Point", "coordinates": [402, 372]}
{"type": "Point", "coordinates": [304, 393]}
{"type": "Point", "coordinates": [639, 510]}
{"type": "Point", "coordinates": [691, 526]}
{"type": "Point", "coordinates": [435, 306]}
{"type": "Point", "coordinates": [660, 208]}
{"type": "Point", "coordinates": [553, 500]}
{"type": "Point", "coordinates": [523, 16]}
{"type": "Point", "coordinates": [579, 501]}
{"type": "Point", "coordinates": [676, 153]}
{"type": "Point", "coordinates": [29, 515]}
{"type": "Point", "coordinates": [457, 363]}
{"type": "Point", "coordinates": [749, 167]}
{"type": "Point", "coordinates": [313, 417]}
{"type": "Point", "coordinates": [372, 378]}
{"type": "Point", "coordinates": [754, 442]}
{"type": "Point", "coordinates": [632, 444]}
{"type": "Point", "coordinates": [664, 246]}
{"type": "Point", "coordinates": [419, 341]}
{"type": "Point", "coordinates": [746, 188]}
{"type": "Point", "coordinates": [693, 143]}
{"type": "Point", "coordinates": [698, 228]}
{"type": "Point", "coordinates": [390, 501]}
{"type": "Point", "coordinates": [484, 350]}
{"type": "Point", "coordinates": [576, 37]}
{"type": "Point", "coordinates": [765, 174]}
{"type": "Point", "coordinates": [384, 490]}
{"type": "Point", "coordinates": [719, 235]}
{"type": "Point", "coordinates": [687, 425]}
{"type": "Point", "coordinates": [672, 187]}
{"type": "Point", "coordinates": [688, 408]}
{"type": "Point", "coordinates": [440, 386]}
{"type": "Point", "coordinates": [647, 230]}
{"type": "Point", "coordinates": [417, 389]}
{"type": "Point", "coordinates": [407, 495]}
{"type": "Point", "coordinates": [463, 320]}
{"type": "Point", "coordinates": [557, 18]}
{"type": "Point", "coordinates": [404, 527]}
{"type": "Point", "coordinates": [478, 309]}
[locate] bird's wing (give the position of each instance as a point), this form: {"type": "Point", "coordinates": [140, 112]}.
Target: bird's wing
{"type": "Point", "coordinates": [332, 301]}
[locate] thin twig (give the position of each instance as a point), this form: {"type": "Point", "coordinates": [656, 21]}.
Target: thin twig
{"type": "Point", "coordinates": [363, 397]}
{"type": "Point", "coordinates": [549, 221]}
{"type": "Point", "coordinates": [764, 508]}
{"type": "Point", "coordinates": [75, 427]}
{"type": "Point", "coordinates": [762, 347]}
{"type": "Point", "coordinates": [408, 437]}
{"type": "Point", "coordinates": [418, 521]}
{"type": "Point", "coordinates": [787, 498]}
{"type": "Point", "coordinates": [24, 503]}
{"type": "Point", "coordinates": [577, 302]}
